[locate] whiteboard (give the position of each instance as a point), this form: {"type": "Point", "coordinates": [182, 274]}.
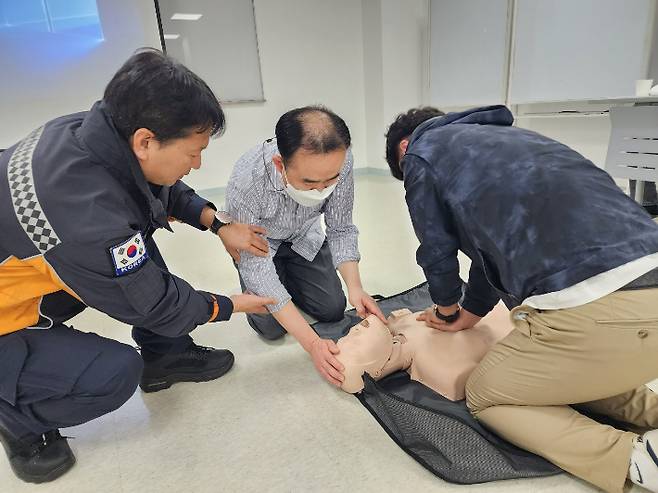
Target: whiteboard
{"type": "Point", "coordinates": [468, 52]}
{"type": "Point", "coordinates": [221, 45]}
{"type": "Point", "coordinates": [579, 49]}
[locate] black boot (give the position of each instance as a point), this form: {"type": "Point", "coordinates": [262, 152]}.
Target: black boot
{"type": "Point", "coordinates": [40, 458]}
{"type": "Point", "coordinates": [196, 364]}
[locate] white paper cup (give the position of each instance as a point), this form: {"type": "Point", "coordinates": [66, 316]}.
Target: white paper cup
{"type": "Point", "coordinates": [642, 87]}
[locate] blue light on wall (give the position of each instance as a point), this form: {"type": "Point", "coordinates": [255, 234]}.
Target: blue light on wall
{"type": "Point", "coordinates": [52, 16]}
{"type": "Point", "coordinates": [47, 33]}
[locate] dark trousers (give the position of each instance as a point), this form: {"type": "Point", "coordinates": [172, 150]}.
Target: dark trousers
{"type": "Point", "coordinates": [67, 378]}
{"type": "Point", "coordinates": [153, 342]}
{"type": "Point", "coordinates": [59, 377]}
{"type": "Point", "coordinates": [314, 287]}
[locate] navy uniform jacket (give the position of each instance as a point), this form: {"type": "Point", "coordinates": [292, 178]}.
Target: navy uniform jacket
{"type": "Point", "coordinates": [533, 215]}
{"type": "Point", "coordinates": [75, 213]}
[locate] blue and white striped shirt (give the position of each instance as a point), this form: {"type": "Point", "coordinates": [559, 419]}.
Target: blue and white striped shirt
{"type": "Point", "coordinates": [256, 195]}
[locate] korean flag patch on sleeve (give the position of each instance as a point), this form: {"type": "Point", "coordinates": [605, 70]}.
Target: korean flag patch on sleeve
{"type": "Point", "coordinates": [129, 255]}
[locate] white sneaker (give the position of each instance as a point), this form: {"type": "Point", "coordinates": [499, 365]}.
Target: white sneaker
{"type": "Point", "coordinates": [643, 470]}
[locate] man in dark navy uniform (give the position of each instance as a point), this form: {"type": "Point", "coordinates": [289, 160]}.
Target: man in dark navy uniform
{"type": "Point", "coordinates": [80, 198]}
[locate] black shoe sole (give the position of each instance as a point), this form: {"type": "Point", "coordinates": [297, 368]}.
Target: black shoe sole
{"type": "Point", "coordinates": [31, 478]}
{"type": "Point", "coordinates": [51, 476]}
{"type": "Point", "coordinates": [149, 385]}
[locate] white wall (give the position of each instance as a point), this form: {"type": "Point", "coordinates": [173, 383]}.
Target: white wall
{"type": "Point", "coordinates": [373, 81]}
{"type": "Point", "coordinates": [395, 63]}
{"type": "Point", "coordinates": [366, 60]}
{"type": "Point", "coordinates": [653, 59]}
{"type": "Point", "coordinates": [311, 51]}
{"type": "Point", "coordinates": [44, 85]}
{"type": "Point", "coordinates": [588, 134]}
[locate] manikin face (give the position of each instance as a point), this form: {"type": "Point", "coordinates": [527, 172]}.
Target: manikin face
{"type": "Point", "coordinates": [166, 163]}
{"type": "Point", "coordinates": [366, 348]}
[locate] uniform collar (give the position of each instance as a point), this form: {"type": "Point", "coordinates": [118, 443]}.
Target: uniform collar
{"type": "Point", "coordinates": [112, 151]}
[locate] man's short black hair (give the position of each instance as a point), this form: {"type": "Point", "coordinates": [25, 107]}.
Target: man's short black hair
{"type": "Point", "coordinates": [154, 91]}
{"type": "Point", "coordinates": [401, 128]}
{"type": "Point", "coordinates": [316, 129]}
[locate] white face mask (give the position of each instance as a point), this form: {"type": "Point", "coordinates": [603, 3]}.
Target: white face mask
{"type": "Point", "coordinates": [308, 198]}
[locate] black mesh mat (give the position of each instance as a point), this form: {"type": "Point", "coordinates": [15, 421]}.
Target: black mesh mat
{"type": "Point", "coordinates": [440, 434]}
{"type": "Point", "coordinates": [416, 299]}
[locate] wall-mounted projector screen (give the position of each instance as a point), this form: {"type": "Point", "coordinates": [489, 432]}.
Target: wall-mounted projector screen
{"type": "Point", "coordinates": [56, 56]}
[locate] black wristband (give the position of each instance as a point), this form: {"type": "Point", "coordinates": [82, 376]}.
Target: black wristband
{"type": "Point", "coordinates": [216, 224]}
{"type": "Point", "coordinates": [221, 219]}
{"type": "Point", "coordinates": [446, 318]}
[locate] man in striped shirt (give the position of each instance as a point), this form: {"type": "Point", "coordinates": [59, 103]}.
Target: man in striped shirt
{"type": "Point", "coordinates": [285, 185]}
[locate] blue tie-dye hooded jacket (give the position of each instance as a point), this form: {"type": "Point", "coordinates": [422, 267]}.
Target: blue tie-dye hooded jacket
{"type": "Point", "coordinates": [532, 214]}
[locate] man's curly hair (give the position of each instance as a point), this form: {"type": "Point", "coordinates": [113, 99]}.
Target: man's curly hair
{"type": "Point", "coordinates": [401, 128]}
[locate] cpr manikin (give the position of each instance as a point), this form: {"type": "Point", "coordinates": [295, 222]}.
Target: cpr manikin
{"type": "Point", "coordinates": [440, 360]}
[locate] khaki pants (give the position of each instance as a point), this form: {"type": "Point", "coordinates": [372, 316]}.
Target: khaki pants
{"type": "Point", "coordinates": [598, 356]}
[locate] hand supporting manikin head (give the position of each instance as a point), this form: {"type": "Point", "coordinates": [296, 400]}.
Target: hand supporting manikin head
{"type": "Point", "coordinates": [365, 349]}
{"type": "Point", "coordinates": [440, 360]}
{"type": "Point", "coordinates": [371, 347]}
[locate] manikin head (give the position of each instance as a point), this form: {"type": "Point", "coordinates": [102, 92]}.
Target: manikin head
{"type": "Point", "coordinates": [165, 112]}
{"type": "Point", "coordinates": [365, 349]}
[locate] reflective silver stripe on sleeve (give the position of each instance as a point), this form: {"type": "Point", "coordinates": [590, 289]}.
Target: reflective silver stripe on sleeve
{"type": "Point", "coordinates": [24, 198]}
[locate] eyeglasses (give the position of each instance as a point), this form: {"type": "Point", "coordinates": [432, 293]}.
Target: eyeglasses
{"type": "Point", "coordinates": [267, 168]}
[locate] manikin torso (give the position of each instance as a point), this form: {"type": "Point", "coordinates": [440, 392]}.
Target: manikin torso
{"type": "Point", "coordinates": [440, 360]}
